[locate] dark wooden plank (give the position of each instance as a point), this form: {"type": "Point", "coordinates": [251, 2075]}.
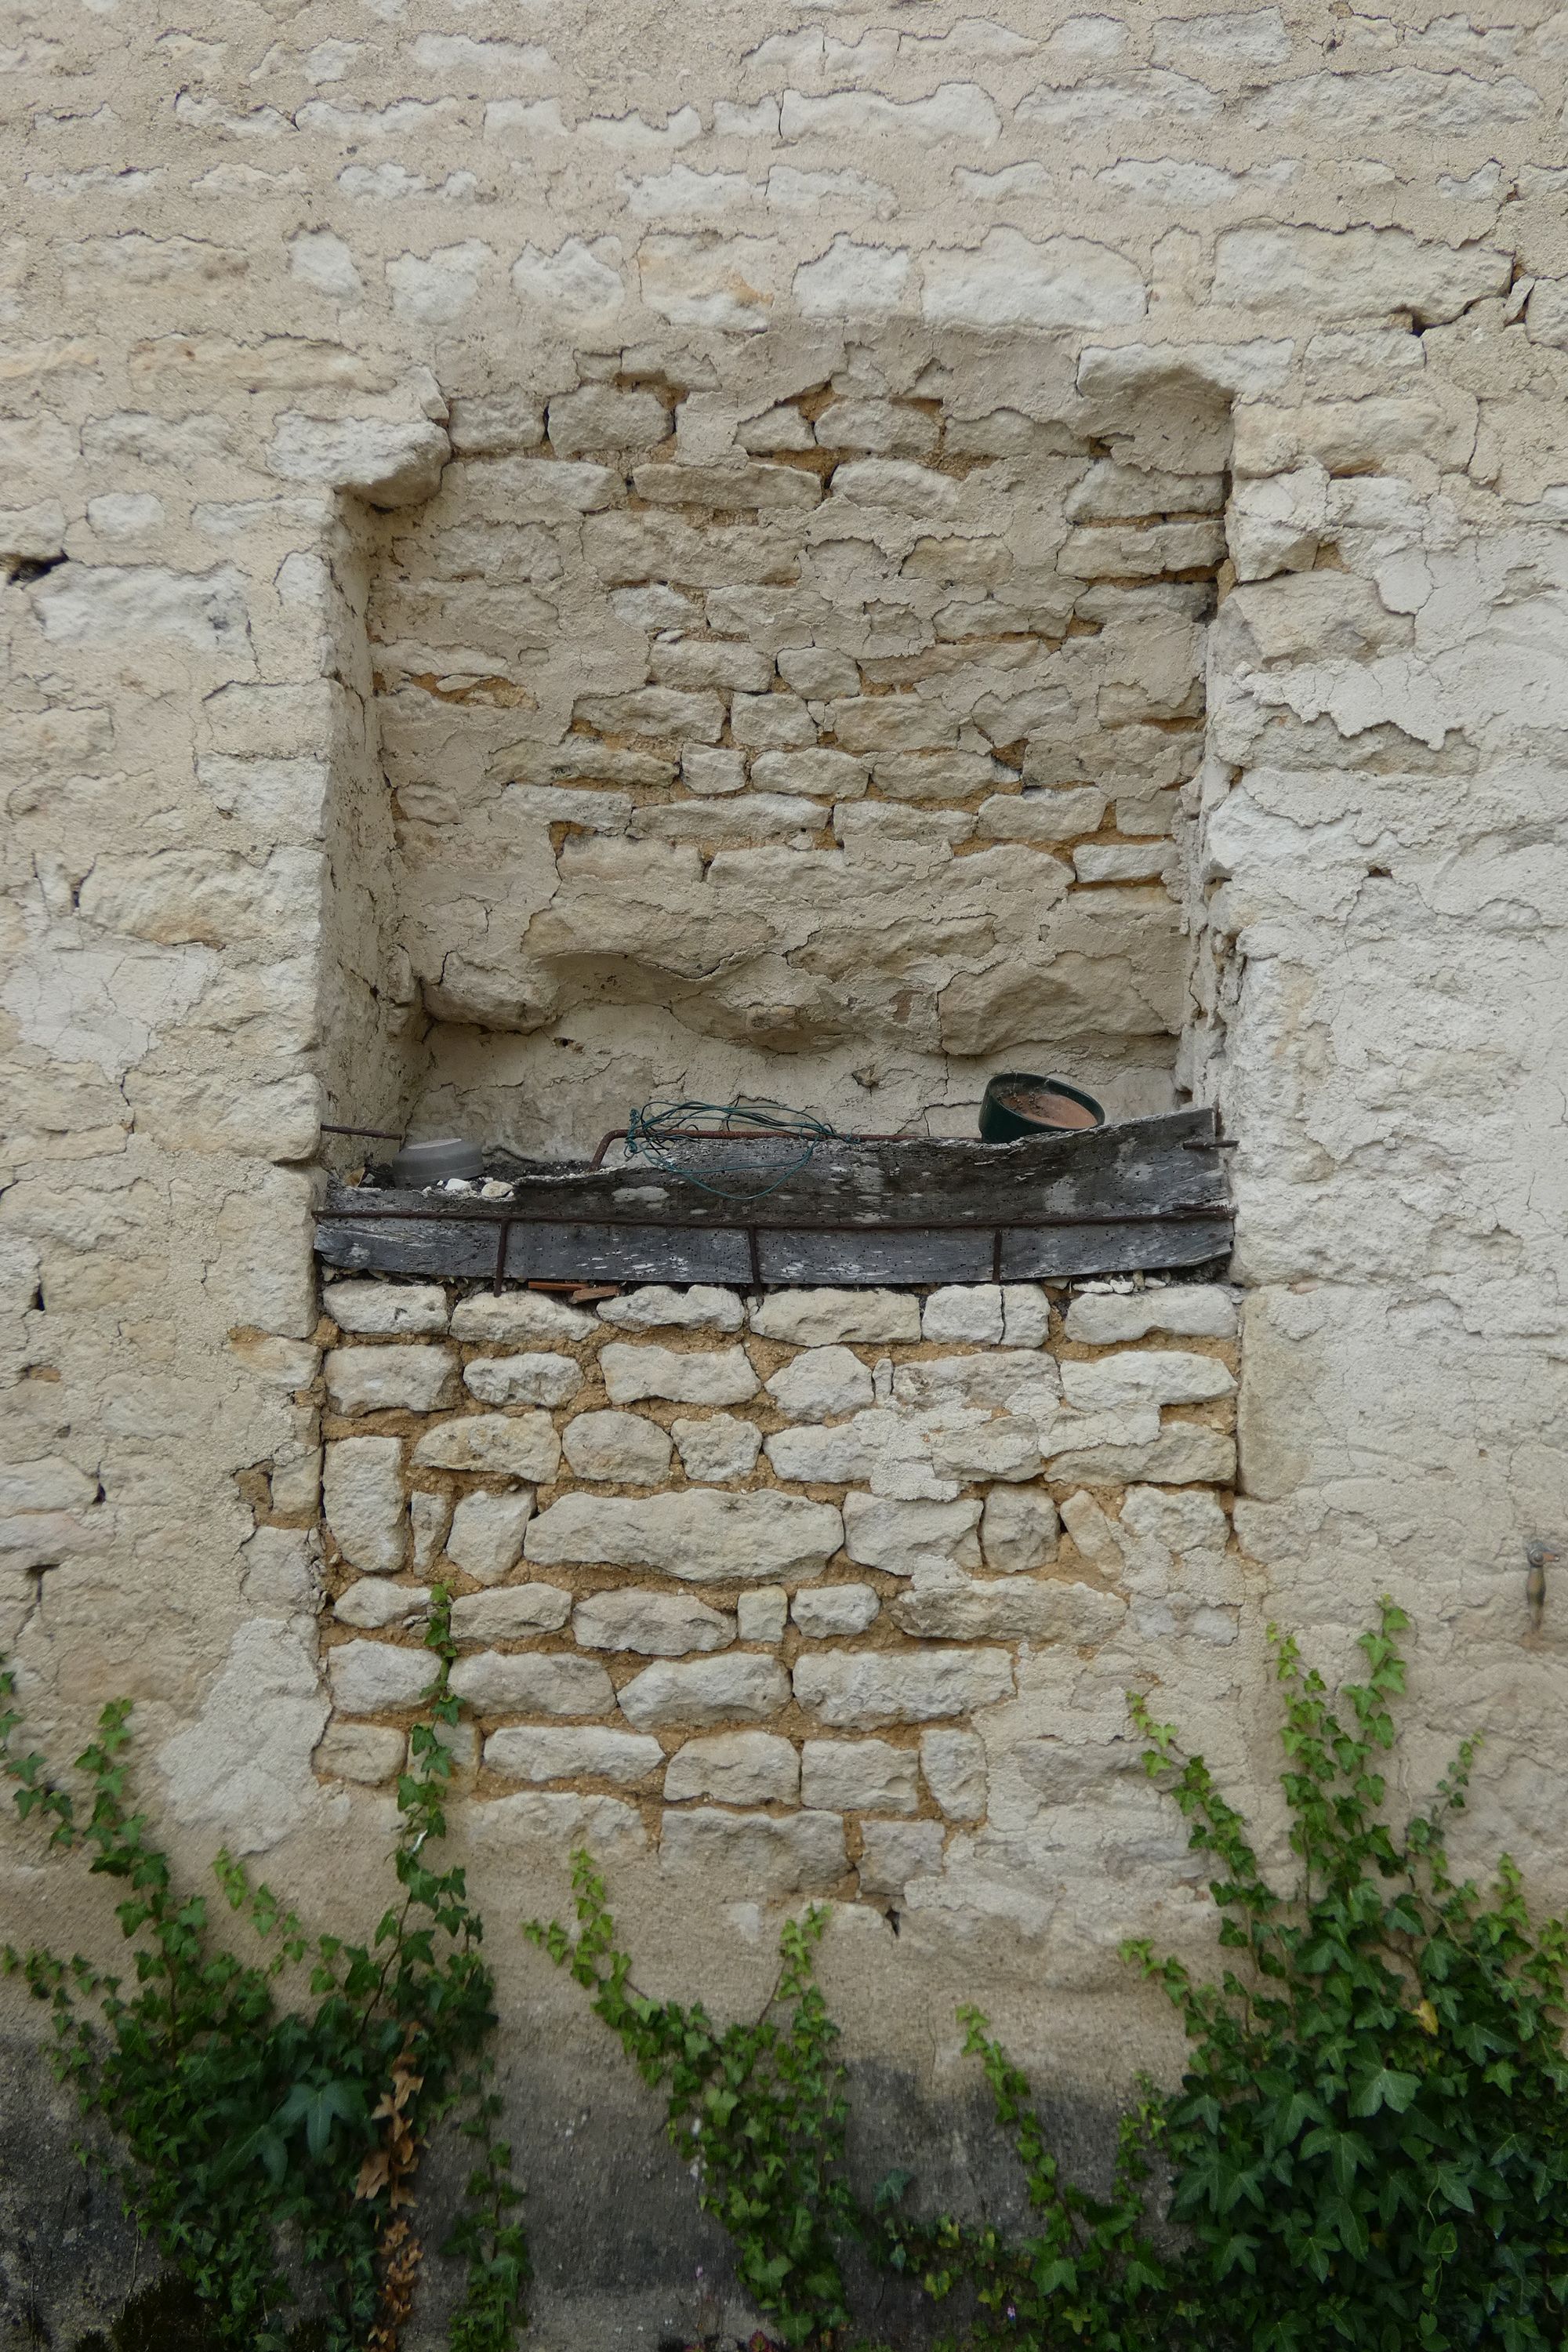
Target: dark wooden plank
{"type": "Point", "coordinates": [1149, 1194]}
{"type": "Point", "coordinates": [1059, 1254]}
{"type": "Point", "coordinates": [891, 1258]}
{"type": "Point", "coordinates": [625, 1254]}
{"type": "Point", "coordinates": [1071, 1251]}
{"type": "Point", "coordinates": [539, 1253]}
{"type": "Point", "coordinates": [662, 1254]}
{"type": "Point", "coordinates": [451, 1251]}
{"type": "Point", "coordinates": [1142, 1164]}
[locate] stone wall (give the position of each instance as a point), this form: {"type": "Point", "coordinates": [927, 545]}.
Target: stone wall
{"type": "Point", "coordinates": [293, 298]}
{"type": "Point", "coordinates": [842, 719]}
{"type": "Point", "coordinates": [741, 1579]}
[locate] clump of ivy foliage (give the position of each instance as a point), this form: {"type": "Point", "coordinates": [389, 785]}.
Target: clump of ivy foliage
{"type": "Point", "coordinates": [230, 2112]}
{"type": "Point", "coordinates": [1369, 2148]}
{"type": "Point", "coordinates": [1370, 2145]}
{"type": "Point", "coordinates": [758, 2109]}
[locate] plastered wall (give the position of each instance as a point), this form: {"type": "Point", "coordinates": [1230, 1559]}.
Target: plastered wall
{"type": "Point", "coordinates": [282, 289]}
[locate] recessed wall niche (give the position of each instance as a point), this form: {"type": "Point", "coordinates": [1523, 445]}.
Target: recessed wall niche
{"type": "Point", "coordinates": [844, 724]}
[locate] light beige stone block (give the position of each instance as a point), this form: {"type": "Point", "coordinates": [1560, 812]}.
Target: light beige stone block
{"type": "Point", "coordinates": [571, 1752]}
{"type": "Point", "coordinates": [373, 1307]}
{"type": "Point", "coordinates": [366, 1752]}
{"type": "Point", "coordinates": [654, 1624]}
{"type": "Point", "coordinates": [366, 1511]}
{"type": "Point", "coordinates": [722, 1376]}
{"type": "Point", "coordinates": [522, 1380]}
{"type": "Point", "coordinates": [384, 1379]}
{"type": "Point", "coordinates": [510, 1613]}
{"type": "Point", "coordinates": [376, 1601]}
{"type": "Point", "coordinates": [701, 1536]}
{"type": "Point", "coordinates": [1015, 1380]}
{"type": "Point", "coordinates": [819, 1383]}
{"type": "Point", "coordinates": [1147, 1377]}
{"type": "Point", "coordinates": [518, 1445]}
{"type": "Point", "coordinates": [863, 1689]}
{"type": "Point", "coordinates": [907, 1537]}
{"type": "Point", "coordinates": [537, 1826]}
{"type": "Point", "coordinates": [485, 1536]}
{"type": "Point", "coordinates": [618, 1445]}
{"type": "Point", "coordinates": [743, 1687]}
{"type": "Point", "coordinates": [1007, 1447]}
{"type": "Point", "coordinates": [497, 1682]}
{"type": "Point", "coordinates": [963, 1310]}
{"type": "Point", "coordinates": [828, 1610]}
{"type": "Point", "coordinates": [763, 1613]}
{"type": "Point", "coordinates": [858, 1776]}
{"type": "Point", "coordinates": [373, 1677]}
{"type": "Point", "coordinates": [819, 774]}
{"type": "Point", "coordinates": [892, 1853]}
{"type": "Point", "coordinates": [718, 1448]}
{"type": "Point", "coordinates": [735, 1768]}
{"type": "Point", "coordinates": [429, 1516]}
{"type": "Point", "coordinates": [519, 1317]}
{"type": "Point", "coordinates": [597, 417]}
{"type": "Point", "coordinates": [659, 1306]}
{"type": "Point", "coordinates": [1017, 1529]}
{"type": "Point", "coordinates": [954, 1763]}
{"type": "Point", "coordinates": [1182, 1455]}
{"type": "Point", "coordinates": [1193, 1311]}
{"type": "Point", "coordinates": [814, 1318]}
{"type": "Point", "coordinates": [1007, 1608]}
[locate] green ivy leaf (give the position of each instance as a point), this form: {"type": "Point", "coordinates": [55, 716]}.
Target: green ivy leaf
{"type": "Point", "coordinates": [318, 2106]}
{"type": "Point", "coordinates": [1387, 2087]}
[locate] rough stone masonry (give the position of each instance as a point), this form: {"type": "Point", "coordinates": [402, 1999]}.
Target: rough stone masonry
{"type": "Point", "coordinates": [554, 554]}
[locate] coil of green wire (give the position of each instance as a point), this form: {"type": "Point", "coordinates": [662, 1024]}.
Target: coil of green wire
{"type": "Point", "coordinates": [654, 1131]}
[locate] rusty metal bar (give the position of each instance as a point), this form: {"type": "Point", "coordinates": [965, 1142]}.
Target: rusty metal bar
{"type": "Point", "coordinates": [480, 1213]}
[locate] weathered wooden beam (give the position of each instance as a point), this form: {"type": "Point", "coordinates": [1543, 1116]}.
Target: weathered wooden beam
{"type": "Point", "coordinates": [1150, 1195]}
{"type": "Point", "coordinates": [1141, 1163]}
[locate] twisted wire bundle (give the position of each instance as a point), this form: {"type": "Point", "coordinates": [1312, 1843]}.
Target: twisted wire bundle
{"type": "Point", "coordinates": [654, 1131]}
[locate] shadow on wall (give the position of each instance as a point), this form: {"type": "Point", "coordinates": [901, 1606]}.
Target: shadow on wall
{"type": "Point", "coordinates": [840, 710]}
{"type": "Point", "coordinates": [620, 2248]}
{"type": "Point", "coordinates": [68, 2256]}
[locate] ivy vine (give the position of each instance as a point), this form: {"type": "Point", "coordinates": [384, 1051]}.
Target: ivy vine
{"type": "Point", "coordinates": [1368, 2149]}
{"type": "Point", "coordinates": [759, 2109]}
{"type": "Point", "coordinates": [1370, 2144]}
{"type": "Point", "coordinates": [228, 2112]}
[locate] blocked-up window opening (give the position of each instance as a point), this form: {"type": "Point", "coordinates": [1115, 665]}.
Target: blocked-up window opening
{"type": "Point", "coordinates": [858, 742]}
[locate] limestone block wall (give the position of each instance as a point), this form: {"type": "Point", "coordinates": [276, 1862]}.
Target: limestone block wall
{"type": "Point", "coordinates": [760, 1582]}
{"type": "Point", "coordinates": [839, 716]}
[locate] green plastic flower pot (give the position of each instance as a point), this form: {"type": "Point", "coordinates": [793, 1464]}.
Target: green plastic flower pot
{"type": "Point", "coordinates": [1019, 1103]}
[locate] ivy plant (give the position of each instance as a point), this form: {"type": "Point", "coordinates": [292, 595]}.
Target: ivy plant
{"type": "Point", "coordinates": [1370, 2144]}
{"type": "Point", "coordinates": [1086, 2274]}
{"type": "Point", "coordinates": [230, 2105]}
{"type": "Point", "coordinates": [758, 2109]}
